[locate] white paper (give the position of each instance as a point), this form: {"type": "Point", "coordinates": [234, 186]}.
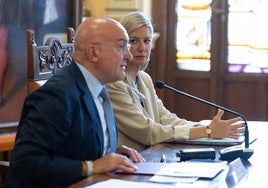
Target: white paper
{"type": "Point", "coordinates": [193, 169]}
{"type": "Point", "coordinates": [117, 183]}
{"type": "Point", "coordinates": [172, 179]}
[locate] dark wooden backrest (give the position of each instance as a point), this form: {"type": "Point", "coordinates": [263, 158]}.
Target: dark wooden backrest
{"type": "Point", "coordinates": [3, 171]}
{"type": "Point", "coordinates": [45, 60]}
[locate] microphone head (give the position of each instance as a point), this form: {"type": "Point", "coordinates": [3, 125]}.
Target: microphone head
{"type": "Point", "coordinates": [159, 84]}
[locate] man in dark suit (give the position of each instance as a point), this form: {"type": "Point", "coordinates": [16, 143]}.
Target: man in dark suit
{"type": "Point", "coordinates": [62, 135]}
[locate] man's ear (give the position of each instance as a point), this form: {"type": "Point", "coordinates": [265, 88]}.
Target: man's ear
{"type": "Point", "coordinates": [92, 53]}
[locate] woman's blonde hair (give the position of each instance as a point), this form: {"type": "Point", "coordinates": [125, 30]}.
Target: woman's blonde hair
{"type": "Point", "coordinates": [134, 20]}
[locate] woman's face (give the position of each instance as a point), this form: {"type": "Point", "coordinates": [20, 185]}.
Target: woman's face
{"type": "Point", "coordinates": [141, 45]}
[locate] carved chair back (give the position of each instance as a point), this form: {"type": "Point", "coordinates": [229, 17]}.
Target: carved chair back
{"type": "Point", "coordinates": [45, 60]}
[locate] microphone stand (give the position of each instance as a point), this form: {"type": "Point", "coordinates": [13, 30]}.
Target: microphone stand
{"type": "Point", "coordinates": [229, 153]}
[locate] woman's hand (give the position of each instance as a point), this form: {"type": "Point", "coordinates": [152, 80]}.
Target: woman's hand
{"type": "Point", "coordinates": [230, 128]}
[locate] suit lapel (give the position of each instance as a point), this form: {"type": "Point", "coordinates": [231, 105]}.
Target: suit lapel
{"type": "Point", "coordinates": [144, 89]}
{"type": "Point", "coordinates": [89, 102]}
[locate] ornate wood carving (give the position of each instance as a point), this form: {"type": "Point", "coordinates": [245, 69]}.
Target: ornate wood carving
{"type": "Point", "coordinates": [45, 60]}
{"type": "Point", "coordinates": [55, 57]}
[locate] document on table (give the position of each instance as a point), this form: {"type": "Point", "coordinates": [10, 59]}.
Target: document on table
{"type": "Point", "coordinates": [193, 169]}
{"type": "Point", "coordinates": [213, 142]}
{"type": "Point", "coordinates": [197, 169]}
{"type": "Point", "coordinates": [146, 168]}
{"type": "Point", "coordinates": [172, 179]}
{"type": "Point", "coordinates": [129, 184]}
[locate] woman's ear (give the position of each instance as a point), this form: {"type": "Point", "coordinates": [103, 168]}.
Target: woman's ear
{"type": "Point", "coordinates": [91, 53]}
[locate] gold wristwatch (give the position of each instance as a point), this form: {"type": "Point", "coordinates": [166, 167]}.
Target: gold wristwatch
{"type": "Point", "coordinates": [208, 131]}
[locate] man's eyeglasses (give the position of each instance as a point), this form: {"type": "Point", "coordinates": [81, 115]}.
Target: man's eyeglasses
{"type": "Point", "coordinates": [123, 47]}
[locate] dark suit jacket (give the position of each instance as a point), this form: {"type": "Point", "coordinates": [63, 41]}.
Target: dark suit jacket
{"type": "Point", "coordinates": [59, 128]}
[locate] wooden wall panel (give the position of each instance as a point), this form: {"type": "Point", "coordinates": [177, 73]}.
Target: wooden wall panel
{"type": "Point", "coordinates": [189, 108]}
{"type": "Point", "coordinates": [241, 98]}
{"type": "Point", "coordinates": [247, 98]}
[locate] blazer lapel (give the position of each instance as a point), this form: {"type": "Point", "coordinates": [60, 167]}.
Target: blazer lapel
{"type": "Point", "coordinates": [89, 102]}
{"type": "Point", "coordinates": [144, 89]}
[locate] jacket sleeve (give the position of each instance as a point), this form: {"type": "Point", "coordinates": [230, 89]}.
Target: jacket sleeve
{"type": "Point", "coordinates": [41, 134]}
{"type": "Point", "coordinates": [151, 124]}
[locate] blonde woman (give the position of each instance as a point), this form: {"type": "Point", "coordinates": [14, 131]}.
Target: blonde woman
{"type": "Point", "coordinates": [141, 117]}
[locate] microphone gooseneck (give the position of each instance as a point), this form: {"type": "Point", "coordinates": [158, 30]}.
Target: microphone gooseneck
{"type": "Point", "coordinates": [161, 85]}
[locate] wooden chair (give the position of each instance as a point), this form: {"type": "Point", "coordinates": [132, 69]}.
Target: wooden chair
{"type": "Point", "coordinates": [7, 138]}
{"type": "Point", "coordinates": [45, 60]}
{"type": "Point", "coordinates": [3, 170]}
{"type": "Point", "coordinates": [42, 62]}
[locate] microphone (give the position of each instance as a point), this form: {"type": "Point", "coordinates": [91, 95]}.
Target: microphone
{"type": "Point", "coordinates": [229, 153]}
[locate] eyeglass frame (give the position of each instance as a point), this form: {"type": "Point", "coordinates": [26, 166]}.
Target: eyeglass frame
{"type": "Point", "coordinates": [124, 47]}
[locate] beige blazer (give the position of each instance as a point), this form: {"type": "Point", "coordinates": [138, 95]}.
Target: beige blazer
{"type": "Point", "coordinates": [142, 125]}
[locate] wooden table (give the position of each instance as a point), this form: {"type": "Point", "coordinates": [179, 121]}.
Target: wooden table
{"type": "Point", "coordinates": [7, 138]}
{"type": "Point", "coordinates": [256, 166]}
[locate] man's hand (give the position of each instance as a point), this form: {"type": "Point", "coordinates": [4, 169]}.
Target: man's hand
{"type": "Point", "coordinates": [134, 155]}
{"type": "Point", "coordinates": [123, 159]}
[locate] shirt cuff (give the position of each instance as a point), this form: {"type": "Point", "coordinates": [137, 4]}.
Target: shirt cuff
{"type": "Point", "coordinates": [89, 168]}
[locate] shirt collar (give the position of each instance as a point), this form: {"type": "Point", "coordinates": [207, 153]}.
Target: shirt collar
{"type": "Point", "coordinates": [93, 83]}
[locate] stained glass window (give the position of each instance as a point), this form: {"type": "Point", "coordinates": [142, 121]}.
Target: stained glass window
{"type": "Point", "coordinates": [193, 34]}
{"type": "Point", "coordinates": [247, 50]}
{"type": "Point", "coordinates": [247, 36]}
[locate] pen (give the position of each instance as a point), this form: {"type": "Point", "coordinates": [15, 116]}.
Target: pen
{"type": "Point", "coordinates": [163, 158]}
{"type": "Point", "coordinates": [252, 141]}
